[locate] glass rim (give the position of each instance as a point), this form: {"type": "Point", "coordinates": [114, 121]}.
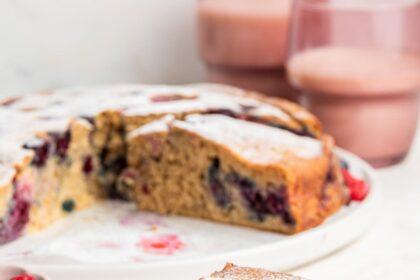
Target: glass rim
{"type": "Point", "coordinates": [357, 4]}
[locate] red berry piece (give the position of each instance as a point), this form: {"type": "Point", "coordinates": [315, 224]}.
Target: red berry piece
{"type": "Point", "coordinates": [41, 150]}
{"type": "Point", "coordinates": [87, 165]}
{"type": "Point", "coordinates": [23, 277]}
{"type": "Point", "coordinates": [359, 189]}
{"type": "Point", "coordinates": [62, 143]}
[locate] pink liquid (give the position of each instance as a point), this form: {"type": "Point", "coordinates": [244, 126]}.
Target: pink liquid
{"type": "Point", "coordinates": [367, 98]}
{"type": "Point", "coordinates": [244, 33]}
{"type": "Point", "coordinates": [390, 24]}
{"type": "Point", "coordinates": [365, 71]}
{"type": "Point", "coordinates": [244, 43]}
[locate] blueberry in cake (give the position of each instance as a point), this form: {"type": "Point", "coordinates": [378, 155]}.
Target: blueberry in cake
{"type": "Point", "coordinates": [204, 151]}
{"type": "Point", "coordinates": [233, 272]}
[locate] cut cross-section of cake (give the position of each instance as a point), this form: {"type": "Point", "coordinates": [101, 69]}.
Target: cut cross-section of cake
{"type": "Point", "coordinates": [206, 151]}
{"type": "Point", "coordinates": [234, 171]}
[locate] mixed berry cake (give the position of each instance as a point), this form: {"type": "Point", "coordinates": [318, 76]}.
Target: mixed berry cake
{"type": "Point", "coordinates": [205, 151]}
{"type": "Point", "coordinates": [233, 272]}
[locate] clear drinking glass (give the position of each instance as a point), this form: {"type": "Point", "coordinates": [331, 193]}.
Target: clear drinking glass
{"type": "Point", "coordinates": [244, 43]}
{"type": "Point", "coordinates": [356, 64]}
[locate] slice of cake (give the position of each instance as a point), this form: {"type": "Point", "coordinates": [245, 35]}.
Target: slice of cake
{"type": "Point", "coordinates": [234, 171]}
{"type": "Point", "coordinates": [233, 272]}
{"type": "Point", "coordinates": [204, 151]}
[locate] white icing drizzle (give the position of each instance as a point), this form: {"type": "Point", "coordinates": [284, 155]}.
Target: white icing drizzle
{"type": "Point", "coordinates": [161, 125]}
{"type": "Point", "coordinates": [52, 111]}
{"type": "Point", "coordinates": [256, 143]}
{"type": "Point", "coordinates": [267, 110]}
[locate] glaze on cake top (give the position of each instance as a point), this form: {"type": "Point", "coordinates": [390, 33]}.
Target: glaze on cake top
{"type": "Point", "coordinates": [253, 142]}
{"type": "Point", "coordinates": [22, 118]}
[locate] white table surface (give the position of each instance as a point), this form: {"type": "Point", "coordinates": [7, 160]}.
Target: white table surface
{"type": "Point", "coordinates": [390, 250]}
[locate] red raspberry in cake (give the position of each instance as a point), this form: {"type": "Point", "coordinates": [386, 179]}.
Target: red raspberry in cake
{"type": "Point", "coordinates": [358, 188]}
{"type": "Point", "coordinates": [12, 225]}
{"type": "Point", "coordinates": [62, 143]}
{"type": "Point", "coordinates": [87, 165]}
{"type": "Point", "coordinates": [41, 150]}
{"type": "Point", "coordinates": [23, 277]}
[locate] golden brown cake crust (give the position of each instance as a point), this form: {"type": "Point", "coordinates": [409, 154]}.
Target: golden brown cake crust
{"type": "Point", "coordinates": [233, 272]}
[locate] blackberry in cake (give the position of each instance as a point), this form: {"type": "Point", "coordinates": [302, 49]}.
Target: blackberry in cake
{"type": "Point", "coordinates": [233, 272]}
{"type": "Point", "coordinates": [204, 151]}
{"type": "Point", "coordinates": [234, 171]}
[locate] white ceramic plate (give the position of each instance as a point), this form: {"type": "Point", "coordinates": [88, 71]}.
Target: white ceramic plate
{"type": "Point", "coordinates": [112, 241]}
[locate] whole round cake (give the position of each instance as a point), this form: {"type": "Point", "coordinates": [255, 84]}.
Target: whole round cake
{"type": "Point", "coordinates": [205, 151]}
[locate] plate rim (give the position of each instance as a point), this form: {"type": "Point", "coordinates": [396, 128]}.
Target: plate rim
{"type": "Point", "coordinates": [370, 203]}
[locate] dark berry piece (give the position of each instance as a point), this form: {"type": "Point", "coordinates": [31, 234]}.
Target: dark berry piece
{"type": "Point", "coordinates": [41, 149]}
{"type": "Point", "coordinates": [276, 203]}
{"type": "Point", "coordinates": [118, 164]}
{"type": "Point", "coordinates": [330, 177]}
{"type": "Point", "coordinates": [87, 165]}
{"type": "Point", "coordinates": [219, 192]}
{"type": "Point", "coordinates": [62, 143]}
{"type": "Point", "coordinates": [244, 183]}
{"type": "Point", "coordinates": [225, 112]}
{"type": "Point", "coordinates": [307, 131]}
{"type": "Point", "coordinates": [344, 164]}
{"type": "Point", "coordinates": [262, 204]}
{"type": "Point", "coordinates": [113, 165]}
{"type": "Point", "coordinates": [214, 168]}
{"type": "Point", "coordinates": [254, 200]}
{"type": "Point", "coordinates": [216, 185]}
{"type": "Point", "coordinates": [145, 190]}
{"type": "Point", "coordinates": [18, 216]}
{"type": "Point", "coordinates": [68, 205]}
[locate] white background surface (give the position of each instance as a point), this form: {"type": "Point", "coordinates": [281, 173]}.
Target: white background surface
{"type": "Point", "coordinates": [391, 249]}
{"type": "Point", "coordinates": [48, 43]}
{"type": "Point", "coordinates": [55, 43]}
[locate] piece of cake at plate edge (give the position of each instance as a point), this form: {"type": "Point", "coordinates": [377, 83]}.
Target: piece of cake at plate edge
{"type": "Point", "coordinates": [233, 272]}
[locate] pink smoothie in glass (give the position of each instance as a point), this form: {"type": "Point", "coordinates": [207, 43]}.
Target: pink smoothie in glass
{"type": "Point", "coordinates": [244, 33]}
{"type": "Point", "coordinates": [244, 43]}
{"type": "Point", "coordinates": [367, 98]}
